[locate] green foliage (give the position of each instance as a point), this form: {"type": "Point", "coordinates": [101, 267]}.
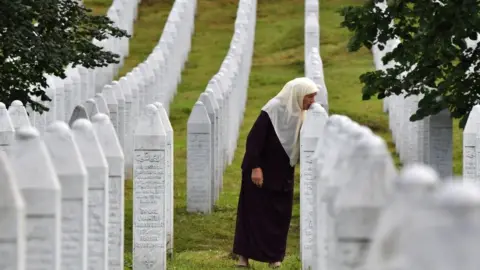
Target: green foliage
{"type": "Point", "coordinates": [43, 37]}
{"type": "Point", "coordinates": [433, 48]}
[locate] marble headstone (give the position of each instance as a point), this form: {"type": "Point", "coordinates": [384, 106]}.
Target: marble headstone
{"type": "Point", "coordinates": [98, 197]}
{"type": "Point", "coordinates": [72, 174]}
{"type": "Point", "coordinates": [199, 198]}
{"type": "Point", "coordinates": [113, 152]}
{"type": "Point", "coordinates": [149, 203]}
{"type": "Point", "coordinates": [41, 191]}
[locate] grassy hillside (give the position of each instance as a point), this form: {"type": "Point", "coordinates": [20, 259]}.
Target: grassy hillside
{"type": "Point", "coordinates": [204, 242]}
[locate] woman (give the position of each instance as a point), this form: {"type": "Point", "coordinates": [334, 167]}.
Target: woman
{"type": "Point", "coordinates": [266, 196]}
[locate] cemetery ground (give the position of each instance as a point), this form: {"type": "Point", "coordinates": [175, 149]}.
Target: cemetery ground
{"type": "Point", "coordinates": [204, 242]}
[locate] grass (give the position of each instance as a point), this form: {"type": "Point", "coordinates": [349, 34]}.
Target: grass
{"type": "Point", "coordinates": [204, 242]}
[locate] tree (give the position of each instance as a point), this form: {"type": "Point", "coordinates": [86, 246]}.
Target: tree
{"type": "Point", "coordinates": [43, 37]}
{"type": "Point", "coordinates": [433, 53]}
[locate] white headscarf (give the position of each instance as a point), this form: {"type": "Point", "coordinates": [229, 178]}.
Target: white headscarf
{"type": "Point", "coordinates": [286, 113]}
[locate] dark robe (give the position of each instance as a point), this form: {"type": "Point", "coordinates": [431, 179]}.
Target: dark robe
{"type": "Point", "coordinates": [264, 213]}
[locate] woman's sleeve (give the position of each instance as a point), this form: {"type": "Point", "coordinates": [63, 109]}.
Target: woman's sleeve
{"type": "Point", "coordinates": [256, 140]}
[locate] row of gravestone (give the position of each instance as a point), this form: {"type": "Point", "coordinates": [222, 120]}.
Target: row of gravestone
{"type": "Point", "coordinates": [427, 141]}
{"type": "Point", "coordinates": [313, 71]}
{"type": "Point", "coordinates": [366, 215]}
{"type": "Point", "coordinates": [62, 197]}
{"type": "Point", "coordinates": [81, 83]}
{"type": "Point", "coordinates": [151, 81]}
{"type": "Point", "coordinates": [154, 80]}
{"type": "Point", "coordinates": [213, 125]}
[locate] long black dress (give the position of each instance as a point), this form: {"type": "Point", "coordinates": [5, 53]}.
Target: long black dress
{"type": "Point", "coordinates": [264, 213]}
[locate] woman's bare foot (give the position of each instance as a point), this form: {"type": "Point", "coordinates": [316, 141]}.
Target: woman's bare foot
{"type": "Point", "coordinates": [275, 264]}
{"type": "Point", "coordinates": [242, 261]}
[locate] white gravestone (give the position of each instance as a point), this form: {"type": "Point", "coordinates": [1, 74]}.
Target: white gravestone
{"type": "Point", "coordinates": [113, 152]}
{"type": "Point", "coordinates": [128, 140]}
{"type": "Point", "coordinates": [91, 108]}
{"type": "Point", "coordinates": [101, 104]}
{"type": "Point", "coordinates": [469, 144]}
{"type": "Point", "coordinates": [441, 144]}
{"type": "Point", "coordinates": [112, 103]}
{"type": "Point", "coordinates": [12, 219]}
{"type": "Point", "coordinates": [149, 203]}
{"type": "Point", "coordinates": [310, 133]}
{"type": "Point", "coordinates": [218, 168]}
{"type": "Point", "coordinates": [198, 158]}
{"type": "Point", "coordinates": [414, 183]}
{"type": "Point", "coordinates": [211, 115]}
{"type": "Point", "coordinates": [97, 169]}
{"type": "Point", "coordinates": [7, 132]}
{"type": "Point", "coordinates": [366, 186]}
{"type": "Point", "coordinates": [78, 112]}
{"type": "Point", "coordinates": [40, 188]}
{"type": "Point", "coordinates": [72, 174]}
{"type": "Point", "coordinates": [117, 90]}
{"type": "Point", "coordinates": [169, 175]}
{"type": "Point", "coordinates": [18, 115]}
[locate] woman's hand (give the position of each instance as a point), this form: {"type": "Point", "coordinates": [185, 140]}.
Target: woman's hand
{"type": "Point", "coordinates": [257, 177]}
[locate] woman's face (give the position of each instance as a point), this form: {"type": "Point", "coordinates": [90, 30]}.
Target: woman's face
{"type": "Point", "coordinates": [308, 100]}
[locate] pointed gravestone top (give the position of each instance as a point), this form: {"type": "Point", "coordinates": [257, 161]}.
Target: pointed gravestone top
{"type": "Point", "coordinates": [109, 95]}
{"type": "Point", "coordinates": [473, 120]}
{"type": "Point", "coordinates": [149, 118]}
{"type": "Point", "coordinates": [88, 143]}
{"type": "Point", "coordinates": [118, 90]}
{"type": "Point", "coordinates": [106, 135]}
{"type": "Point", "coordinates": [18, 114]}
{"type": "Point", "coordinates": [163, 115]}
{"type": "Point", "coordinates": [207, 102]}
{"type": "Point", "coordinates": [32, 163]}
{"type": "Point", "coordinates": [91, 108]}
{"type": "Point", "coordinates": [127, 92]}
{"type": "Point", "coordinates": [416, 176]}
{"type": "Point", "coordinates": [63, 149]}
{"type": "Point", "coordinates": [199, 114]}
{"type": "Point", "coordinates": [212, 96]}
{"type": "Point", "coordinates": [314, 121]}
{"type": "Point", "coordinates": [78, 112]}
{"type": "Point", "coordinates": [5, 121]}
{"type": "Point", "coordinates": [102, 104]}
{"type": "Point", "coordinates": [214, 84]}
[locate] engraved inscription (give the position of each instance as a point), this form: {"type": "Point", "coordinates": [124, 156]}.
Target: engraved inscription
{"type": "Point", "coordinates": [469, 162]}
{"type": "Point", "coordinates": [41, 242]}
{"type": "Point", "coordinates": [8, 254]}
{"type": "Point", "coordinates": [115, 233]}
{"type": "Point", "coordinates": [308, 177]}
{"type": "Point", "coordinates": [150, 206]}
{"type": "Point", "coordinates": [96, 229]}
{"type": "Point", "coordinates": [441, 150]}
{"type": "Point", "coordinates": [199, 185]}
{"type": "Point", "coordinates": [72, 222]}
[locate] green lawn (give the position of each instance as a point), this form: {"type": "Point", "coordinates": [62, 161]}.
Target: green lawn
{"type": "Point", "coordinates": [204, 242]}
